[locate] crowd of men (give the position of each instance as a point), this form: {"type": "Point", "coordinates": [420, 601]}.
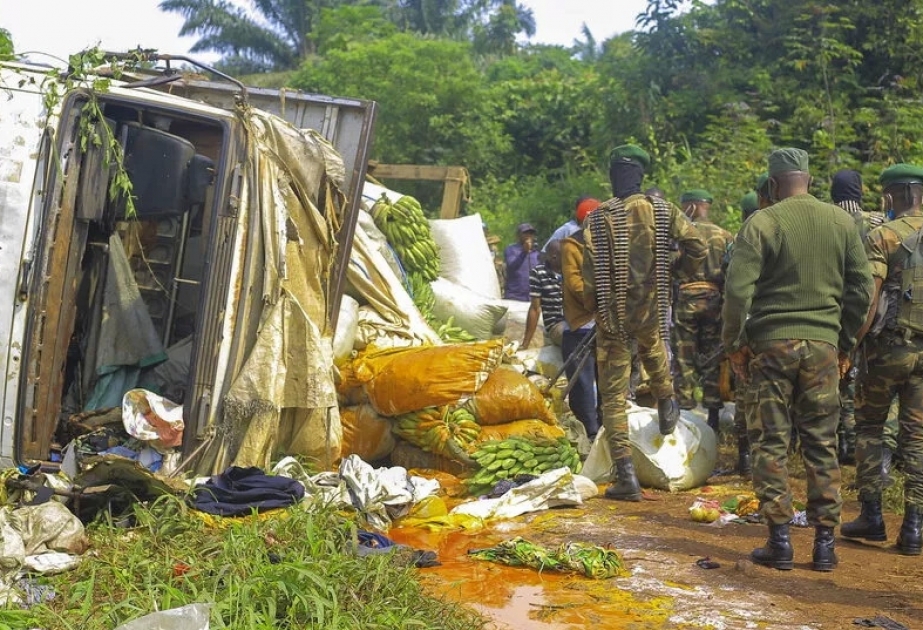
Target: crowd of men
{"type": "Point", "coordinates": [813, 305]}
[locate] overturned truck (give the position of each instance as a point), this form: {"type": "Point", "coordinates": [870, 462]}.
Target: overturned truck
{"type": "Point", "coordinates": [218, 287]}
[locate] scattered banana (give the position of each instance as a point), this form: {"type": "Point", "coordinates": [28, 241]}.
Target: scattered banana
{"type": "Point", "coordinates": [450, 333]}
{"type": "Point", "coordinates": [407, 230]}
{"type": "Point", "coordinates": [441, 430]}
{"type": "Point", "coordinates": [519, 455]}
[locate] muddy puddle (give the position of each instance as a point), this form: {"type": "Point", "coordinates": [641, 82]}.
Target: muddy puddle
{"type": "Point", "coordinates": [518, 598]}
{"type": "Point", "coordinates": [664, 588]}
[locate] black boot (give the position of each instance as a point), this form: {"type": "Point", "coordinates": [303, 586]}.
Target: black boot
{"type": "Point", "coordinates": [625, 487]}
{"type": "Point", "coordinates": [909, 540]}
{"type": "Point", "coordinates": [714, 420]}
{"type": "Point", "coordinates": [667, 415]}
{"type": "Point", "coordinates": [743, 456]}
{"type": "Point", "coordinates": [824, 558]}
{"type": "Point", "coordinates": [777, 552]}
{"type": "Point", "coordinates": [869, 525]}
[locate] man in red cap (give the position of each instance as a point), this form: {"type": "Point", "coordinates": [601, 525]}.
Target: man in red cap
{"type": "Point", "coordinates": [584, 206]}
{"type": "Point", "coordinates": [579, 326]}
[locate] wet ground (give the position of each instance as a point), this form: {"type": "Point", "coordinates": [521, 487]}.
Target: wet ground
{"type": "Point", "coordinates": [666, 589]}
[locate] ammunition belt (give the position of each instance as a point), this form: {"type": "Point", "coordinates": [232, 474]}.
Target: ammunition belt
{"type": "Point", "coordinates": [662, 212]}
{"type": "Point", "coordinates": [609, 230]}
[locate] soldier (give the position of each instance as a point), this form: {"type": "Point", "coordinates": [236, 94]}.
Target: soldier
{"type": "Point", "coordinates": [846, 192]}
{"type": "Point", "coordinates": [697, 313]}
{"type": "Point", "coordinates": [893, 360]}
{"type": "Point", "coordinates": [798, 288]}
{"type": "Point", "coordinates": [626, 272]}
{"type": "Point", "coordinates": [749, 204]}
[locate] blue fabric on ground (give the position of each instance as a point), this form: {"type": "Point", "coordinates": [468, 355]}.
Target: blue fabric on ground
{"type": "Point", "coordinates": [239, 491]}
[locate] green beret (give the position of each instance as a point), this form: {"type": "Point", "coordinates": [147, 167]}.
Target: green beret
{"type": "Point", "coordinates": [788, 159]}
{"type": "Point", "coordinates": [631, 153]}
{"type": "Point", "coordinates": [761, 181]}
{"type": "Point", "coordinates": [901, 174]}
{"type": "Point", "coordinates": [697, 194]}
{"type": "Point", "coordinates": [749, 204]}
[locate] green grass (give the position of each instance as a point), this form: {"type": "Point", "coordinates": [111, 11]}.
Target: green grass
{"type": "Point", "coordinates": [291, 571]}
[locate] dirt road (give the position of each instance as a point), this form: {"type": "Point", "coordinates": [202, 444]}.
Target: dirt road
{"type": "Point", "coordinates": [666, 589]}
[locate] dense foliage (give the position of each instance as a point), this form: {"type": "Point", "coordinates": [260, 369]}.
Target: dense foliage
{"type": "Point", "coordinates": [707, 88]}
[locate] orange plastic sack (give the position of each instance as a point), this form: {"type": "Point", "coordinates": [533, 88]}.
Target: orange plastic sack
{"type": "Point", "coordinates": [508, 395]}
{"type": "Point", "coordinates": [401, 380]}
{"type": "Point", "coordinates": [365, 433]}
{"type": "Point", "coordinates": [526, 428]}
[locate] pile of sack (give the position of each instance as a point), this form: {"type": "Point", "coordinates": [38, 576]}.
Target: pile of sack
{"type": "Point", "coordinates": [454, 407]}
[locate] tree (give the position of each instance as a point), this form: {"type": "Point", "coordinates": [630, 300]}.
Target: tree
{"type": "Point", "coordinates": [434, 107]}
{"type": "Point", "coordinates": [275, 35]}
{"type": "Point", "coordinates": [548, 109]}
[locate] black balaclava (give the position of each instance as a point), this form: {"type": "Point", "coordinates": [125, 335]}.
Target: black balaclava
{"type": "Point", "coordinates": [626, 177]}
{"type": "Point", "coordinates": [846, 186]}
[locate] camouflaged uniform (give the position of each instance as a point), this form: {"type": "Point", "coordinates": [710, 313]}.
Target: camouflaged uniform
{"type": "Point", "coordinates": [798, 289]}
{"type": "Point", "coordinates": [697, 322]}
{"type": "Point", "coordinates": [892, 364]}
{"type": "Point", "coordinates": [740, 408]}
{"type": "Point", "coordinates": [641, 318]}
{"type": "Point", "coordinates": [865, 223]}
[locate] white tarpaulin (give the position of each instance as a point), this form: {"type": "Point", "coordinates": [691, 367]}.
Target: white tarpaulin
{"type": "Point", "coordinates": [553, 488]}
{"type": "Point", "coordinates": [679, 461]}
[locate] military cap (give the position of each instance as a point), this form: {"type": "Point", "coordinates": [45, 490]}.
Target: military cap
{"type": "Point", "coordinates": [761, 181]}
{"type": "Point", "coordinates": [788, 159]}
{"type": "Point", "coordinates": [696, 194]}
{"type": "Point", "coordinates": [749, 203]}
{"type": "Point", "coordinates": [630, 153]}
{"type": "Point", "coordinates": [901, 174]}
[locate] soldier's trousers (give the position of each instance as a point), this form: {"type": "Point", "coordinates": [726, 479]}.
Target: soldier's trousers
{"type": "Point", "coordinates": [582, 397]}
{"type": "Point", "coordinates": [894, 367]}
{"type": "Point", "coordinates": [847, 424]}
{"type": "Point", "coordinates": [740, 413]}
{"type": "Point", "coordinates": [794, 383]}
{"type": "Point", "coordinates": [696, 344]}
{"type": "Point", "coordinates": [613, 358]}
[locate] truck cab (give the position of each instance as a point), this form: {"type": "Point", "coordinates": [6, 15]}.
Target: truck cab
{"type": "Point", "coordinates": [99, 295]}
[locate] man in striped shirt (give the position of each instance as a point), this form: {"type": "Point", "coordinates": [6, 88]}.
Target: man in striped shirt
{"type": "Point", "coordinates": [546, 297]}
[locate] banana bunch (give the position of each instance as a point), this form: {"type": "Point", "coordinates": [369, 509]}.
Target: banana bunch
{"type": "Point", "coordinates": [450, 333]}
{"type": "Point", "coordinates": [422, 293]}
{"type": "Point", "coordinates": [407, 230]}
{"type": "Point", "coordinates": [441, 430]}
{"type": "Point", "coordinates": [519, 455]}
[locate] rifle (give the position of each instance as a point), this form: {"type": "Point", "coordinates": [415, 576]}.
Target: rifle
{"type": "Point", "coordinates": [580, 355]}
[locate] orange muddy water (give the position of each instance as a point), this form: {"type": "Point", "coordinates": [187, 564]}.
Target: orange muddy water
{"type": "Point", "coordinates": [665, 588]}
{"type": "Point", "coordinates": [525, 599]}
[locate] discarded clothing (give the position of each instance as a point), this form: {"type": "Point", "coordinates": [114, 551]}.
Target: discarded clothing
{"type": "Point", "coordinates": [590, 560]}
{"type": "Point", "coordinates": [239, 491]}
{"type": "Point", "coordinates": [371, 543]}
